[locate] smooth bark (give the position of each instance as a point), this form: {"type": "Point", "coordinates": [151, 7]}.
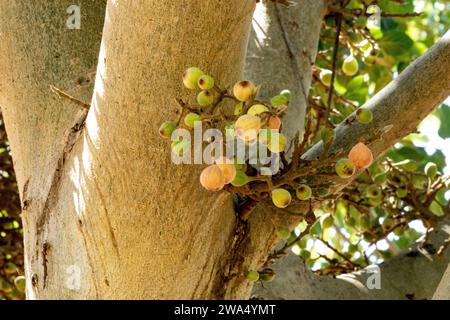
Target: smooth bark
{"type": "Point", "coordinates": [410, 275]}
{"type": "Point", "coordinates": [38, 50]}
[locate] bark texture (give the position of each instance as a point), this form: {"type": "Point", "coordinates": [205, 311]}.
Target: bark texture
{"type": "Point", "coordinates": [38, 50]}
{"type": "Point", "coordinates": [443, 290]}
{"type": "Point", "coordinates": [281, 53]}
{"type": "Point", "coordinates": [410, 275]}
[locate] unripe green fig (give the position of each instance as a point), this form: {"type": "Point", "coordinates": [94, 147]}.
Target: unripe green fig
{"type": "Point", "coordinates": [240, 179]}
{"type": "Point", "coordinates": [267, 275]}
{"type": "Point", "coordinates": [364, 115]}
{"type": "Point", "coordinates": [287, 94]}
{"type": "Point", "coordinates": [277, 142]}
{"type": "Point", "coordinates": [350, 66]}
{"type": "Point", "coordinates": [431, 169]}
{"type": "Point", "coordinates": [166, 129]}
{"type": "Point", "coordinates": [5, 286]}
{"type": "Point", "coordinates": [191, 76]}
{"type": "Point", "coordinates": [253, 276]}
{"type": "Point", "coordinates": [283, 233]}
{"type": "Point", "coordinates": [191, 119]}
{"type": "Point", "coordinates": [257, 109]}
{"type": "Point", "coordinates": [205, 98]}
{"type": "Point", "coordinates": [279, 101]}
{"type": "Point", "coordinates": [9, 268]}
{"type": "Point", "coordinates": [325, 77]}
{"type": "Point", "coordinates": [244, 90]}
{"type": "Point", "coordinates": [303, 192]}
{"type": "Point", "coordinates": [323, 192]}
{"type": "Point", "coordinates": [281, 198]}
{"type": "Point", "coordinates": [388, 223]}
{"type": "Point", "coordinates": [205, 82]}
{"type": "Point", "coordinates": [370, 60]}
{"type": "Point", "coordinates": [373, 191]}
{"type": "Point", "coordinates": [407, 165]}
{"type": "Point", "coordinates": [20, 283]}
{"type": "Point", "coordinates": [345, 168]}
{"type": "Point", "coordinates": [380, 178]}
{"type": "Point", "coordinates": [375, 202]}
{"type": "Point", "coordinates": [180, 146]}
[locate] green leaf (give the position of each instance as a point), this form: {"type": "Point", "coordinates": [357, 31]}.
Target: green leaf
{"type": "Point", "coordinates": [355, 83]}
{"type": "Point", "coordinates": [437, 209]}
{"type": "Point", "coordinates": [403, 242]}
{"type": "Point", "coordinates": [388, 25]}
{"type": "Point", "coordinates": [238, 108]}
{"type": "Point", "coordinates": [316, 229]}
{"type": "Point", "coordinates": [396, 43]}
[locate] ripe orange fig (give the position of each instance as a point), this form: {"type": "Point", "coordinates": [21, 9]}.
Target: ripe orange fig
{"type": "Point", "coordinates": [361, 156]}
{"type": "Point", "coordinates": [212, 178]}
{"type": "Point", "coordinates": [274, 123]}
{"type": "Point", "coordinates": [228, 169]}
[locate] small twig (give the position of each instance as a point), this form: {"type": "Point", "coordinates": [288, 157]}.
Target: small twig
{"type": "Point", "coordinates": [443, 247]}
{"type": "Point", "coordinates": [287, 3]}
{"type": "Point", "coordinates": [68, 96]}
{"type": "Point", "coordinates": [343, 256]}
{"type": "Point", "coordinates": [360, 12]}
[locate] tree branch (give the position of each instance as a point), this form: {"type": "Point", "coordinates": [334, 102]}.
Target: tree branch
{"type": "Point", "coordinates": [410, 275]}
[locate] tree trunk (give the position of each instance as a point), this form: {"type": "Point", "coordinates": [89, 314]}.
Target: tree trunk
{"type": "Point", "coordinates": [37, 51]}
{"type": "Point", "coordinates": [114, 208]}
{"type": "Point", "coordinates": [101, 198]}
{"type": "Point", "coordinates": [281, 54]}
{"type": "Point", "coordinates": [443, 289]}
{"type": "Point", "coordinates": [410, 275]}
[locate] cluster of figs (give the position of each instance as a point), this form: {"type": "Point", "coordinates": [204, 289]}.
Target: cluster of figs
{"type": "Point", "coordinates": [251, 117]}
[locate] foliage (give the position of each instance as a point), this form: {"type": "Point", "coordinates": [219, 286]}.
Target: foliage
{"type": "Point", "coordinates": [366, 230]}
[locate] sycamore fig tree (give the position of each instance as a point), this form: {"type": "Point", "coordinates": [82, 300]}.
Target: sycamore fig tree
{"type": "Point", "coordinates": [304, 110]}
